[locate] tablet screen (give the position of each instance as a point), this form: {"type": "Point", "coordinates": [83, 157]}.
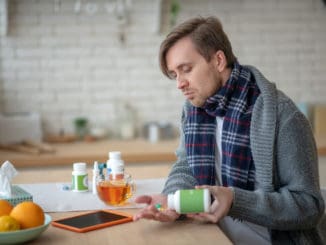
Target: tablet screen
{"type": "Point", "coordinates": [91, 221]}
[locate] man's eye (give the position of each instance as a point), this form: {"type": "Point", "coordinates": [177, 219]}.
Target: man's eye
{"type": "Point", "coordinates": [186, 69]}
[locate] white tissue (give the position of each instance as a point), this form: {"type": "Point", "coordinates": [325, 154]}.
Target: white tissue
{"type": "Point", "coordinates": [7, 172]}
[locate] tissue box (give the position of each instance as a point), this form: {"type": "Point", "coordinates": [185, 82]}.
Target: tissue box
{"type": "Point", "coordinates": [18, 195]}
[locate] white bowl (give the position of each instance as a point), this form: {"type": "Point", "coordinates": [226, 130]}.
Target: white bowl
{"type": "Point", "coordinates": [25, 235]}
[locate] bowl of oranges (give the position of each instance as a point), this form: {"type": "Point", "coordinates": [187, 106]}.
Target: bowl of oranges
{"type": "Point", "coordinates": [22, 223]}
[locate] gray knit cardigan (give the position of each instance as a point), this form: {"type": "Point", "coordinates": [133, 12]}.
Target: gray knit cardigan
{"type": "Point", "coordinates": [288, 201]}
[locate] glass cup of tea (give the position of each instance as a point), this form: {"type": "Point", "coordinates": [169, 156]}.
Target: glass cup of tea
{"type": "Point", "coordinates": [115, 191]}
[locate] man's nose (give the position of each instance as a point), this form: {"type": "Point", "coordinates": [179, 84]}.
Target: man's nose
{"type": "Point", "coordinates": [181, 82]}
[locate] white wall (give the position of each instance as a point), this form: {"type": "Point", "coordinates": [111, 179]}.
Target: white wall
{"type": "Point", "coordinates": [66, 64]}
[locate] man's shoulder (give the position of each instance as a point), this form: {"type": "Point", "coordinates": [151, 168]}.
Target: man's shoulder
{"type": "Point", "coordinates": [267, 87]}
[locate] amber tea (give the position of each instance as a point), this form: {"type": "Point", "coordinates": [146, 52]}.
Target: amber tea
{"type": "Point", "coordinates": [114, 192]}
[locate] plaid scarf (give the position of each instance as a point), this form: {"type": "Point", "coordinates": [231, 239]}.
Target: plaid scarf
{"type": "Point", "coordinates": [234, 101]}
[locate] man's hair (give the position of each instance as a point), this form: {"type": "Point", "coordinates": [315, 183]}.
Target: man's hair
{"type": "Point", "coordinates": [206, 34]}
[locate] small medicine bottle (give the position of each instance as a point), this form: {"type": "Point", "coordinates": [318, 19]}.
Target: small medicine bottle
{"type": "Point", "coordinates": [115, 165]}
{"type": "Point", "coordinates": [96, 174]}
{"type": "Point", "coordinates": [79, 177]}
{"type": "Point", "coordinates": [190, 201]}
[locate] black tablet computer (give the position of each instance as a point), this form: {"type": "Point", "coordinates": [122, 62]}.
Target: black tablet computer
{"type": "Point", "coordinates": [93, 220]}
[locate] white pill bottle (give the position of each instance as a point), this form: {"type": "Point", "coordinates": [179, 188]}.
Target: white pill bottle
{"type": "Point", "coordinates": [115, 165]}
{"type": "Point", "coordinates": [190, 201]}
{"type": "Point", "coordinates": [79, 177]}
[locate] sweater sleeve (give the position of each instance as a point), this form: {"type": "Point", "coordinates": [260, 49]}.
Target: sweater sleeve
{"type": "Point", "coordinates": [180, 176]}
{"type": "Point", "coordinates": [294, 202]}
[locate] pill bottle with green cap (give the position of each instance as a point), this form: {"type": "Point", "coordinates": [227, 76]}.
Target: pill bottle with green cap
{"type": "Point", "coordinates": [190, 201]}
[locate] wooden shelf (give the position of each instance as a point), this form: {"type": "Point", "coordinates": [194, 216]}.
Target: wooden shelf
{"type": "Point", "coordinates": [135, 151]}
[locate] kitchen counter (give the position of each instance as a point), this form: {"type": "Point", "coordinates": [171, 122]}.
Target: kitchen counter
{"type": "Point", "coordinates": [321, 145]}
{"type": "Point", "coordinates": [134, 151]}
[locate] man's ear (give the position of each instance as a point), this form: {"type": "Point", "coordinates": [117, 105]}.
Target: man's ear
{"type": "Point", "coordinates": [220, 60]}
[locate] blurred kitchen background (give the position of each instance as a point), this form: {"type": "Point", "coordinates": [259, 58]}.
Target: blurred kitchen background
{"type": "Point", "coordinates": [91, 66]}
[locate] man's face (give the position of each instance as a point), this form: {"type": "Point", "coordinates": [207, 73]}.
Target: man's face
{"type": "Point", "coordinates": [196, 78]}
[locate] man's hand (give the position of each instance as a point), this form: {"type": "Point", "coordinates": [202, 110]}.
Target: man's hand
{"type": "Point", "coordinates": [151, 212]}
{"type": "Point", "coordinates": [220, 207]}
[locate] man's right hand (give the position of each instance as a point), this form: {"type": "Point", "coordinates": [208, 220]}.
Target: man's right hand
{"type": "Point", "coordinates": [151, 212]}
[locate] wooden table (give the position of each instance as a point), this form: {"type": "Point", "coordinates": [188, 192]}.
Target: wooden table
{"type": "Point", "coordinates": [134, 151]}
{"type": "Point", "coordinates": [138, 233]}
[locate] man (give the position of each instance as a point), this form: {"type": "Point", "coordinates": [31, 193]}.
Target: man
{"type": "Point", "coordinates": [242, 139]}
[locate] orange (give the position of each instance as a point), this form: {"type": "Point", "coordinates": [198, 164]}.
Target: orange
{"type": "Point", "coordinates": [28, 214]}
{"type": "Point", "coordinates": [5, 207]}
{"type": "Point", "coordinates": [8, 223]}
